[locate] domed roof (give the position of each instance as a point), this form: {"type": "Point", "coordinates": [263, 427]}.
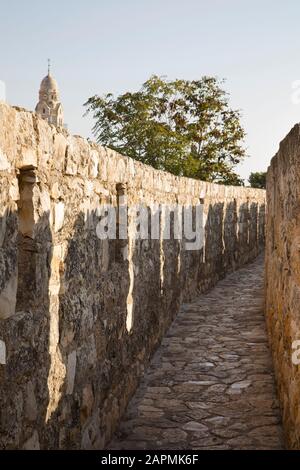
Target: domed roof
{"type": "Point", "coordinates": [49, 106]}
{"type": "Point", "coordinates": [49, 83]}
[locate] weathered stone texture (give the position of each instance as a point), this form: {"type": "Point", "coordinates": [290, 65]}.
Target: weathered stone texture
{"type": "Point", "coordinates": [283, 276]}
{"type": "Point", "coordinates": [80, 317]}
{"type": "Point", "coordinates": [210, 385]}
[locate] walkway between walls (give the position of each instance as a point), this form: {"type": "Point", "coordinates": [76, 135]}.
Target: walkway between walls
{"type": "Point", "coordinates": [210, 385]}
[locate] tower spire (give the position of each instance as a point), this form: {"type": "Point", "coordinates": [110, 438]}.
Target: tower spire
{"type": "Point", "coordinates": [49, 106]}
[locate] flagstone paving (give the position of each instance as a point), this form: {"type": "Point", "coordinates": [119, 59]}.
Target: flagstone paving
{"type": "Point", "coordinates": [210, 385]}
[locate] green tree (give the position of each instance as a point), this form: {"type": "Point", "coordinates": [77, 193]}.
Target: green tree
{"type": "Point", "coordinates": [258, 179]}
{"type": "Point", "coordinates": [185, 127]}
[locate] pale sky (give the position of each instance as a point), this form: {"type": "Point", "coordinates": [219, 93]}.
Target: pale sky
{"type": "Point", "coordinates": [100, 46]}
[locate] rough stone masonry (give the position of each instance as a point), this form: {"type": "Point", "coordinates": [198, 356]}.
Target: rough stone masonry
{"type": "Point", "coordinates": [282, 278]}
{"type": "Point", "coordinates": [69, 364]}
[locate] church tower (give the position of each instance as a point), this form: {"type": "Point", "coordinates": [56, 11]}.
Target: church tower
{"type": "Point", "coordinates": [49, 106]}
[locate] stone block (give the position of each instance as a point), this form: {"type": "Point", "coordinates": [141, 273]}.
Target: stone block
{"type": "Point", "coordinates": [33, 442]}
{"type": "Point", "coordinates": [4, 163]}
{"type": "Point", "coordinates": [59, 216]}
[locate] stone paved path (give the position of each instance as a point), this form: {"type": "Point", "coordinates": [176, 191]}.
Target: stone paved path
{"type": "Point", "coordinates": [210, 385]}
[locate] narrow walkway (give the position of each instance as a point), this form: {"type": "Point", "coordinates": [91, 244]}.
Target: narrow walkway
{"type": "Point", "coordinates": [210, 385]}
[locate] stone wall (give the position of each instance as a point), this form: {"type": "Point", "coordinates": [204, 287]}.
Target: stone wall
{"type": "Point", "coordinates": [80, 316]}
{"type": "Point", "coordinates": [283, 277]}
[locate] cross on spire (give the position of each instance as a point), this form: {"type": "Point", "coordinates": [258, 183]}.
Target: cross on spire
{"type": "Point", "coordinates": [49, 66]}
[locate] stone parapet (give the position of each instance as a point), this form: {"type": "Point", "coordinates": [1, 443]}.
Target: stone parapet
{"type": "Point", "coordinates": [81, 316]}
{"type": "Point", "coordinates": [282, 277]}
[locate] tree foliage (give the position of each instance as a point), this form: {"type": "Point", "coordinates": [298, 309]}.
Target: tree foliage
{"type": "Point", "coordinates": [185, 127]}
{"type": "Point", "coordinates": [258, 179]}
